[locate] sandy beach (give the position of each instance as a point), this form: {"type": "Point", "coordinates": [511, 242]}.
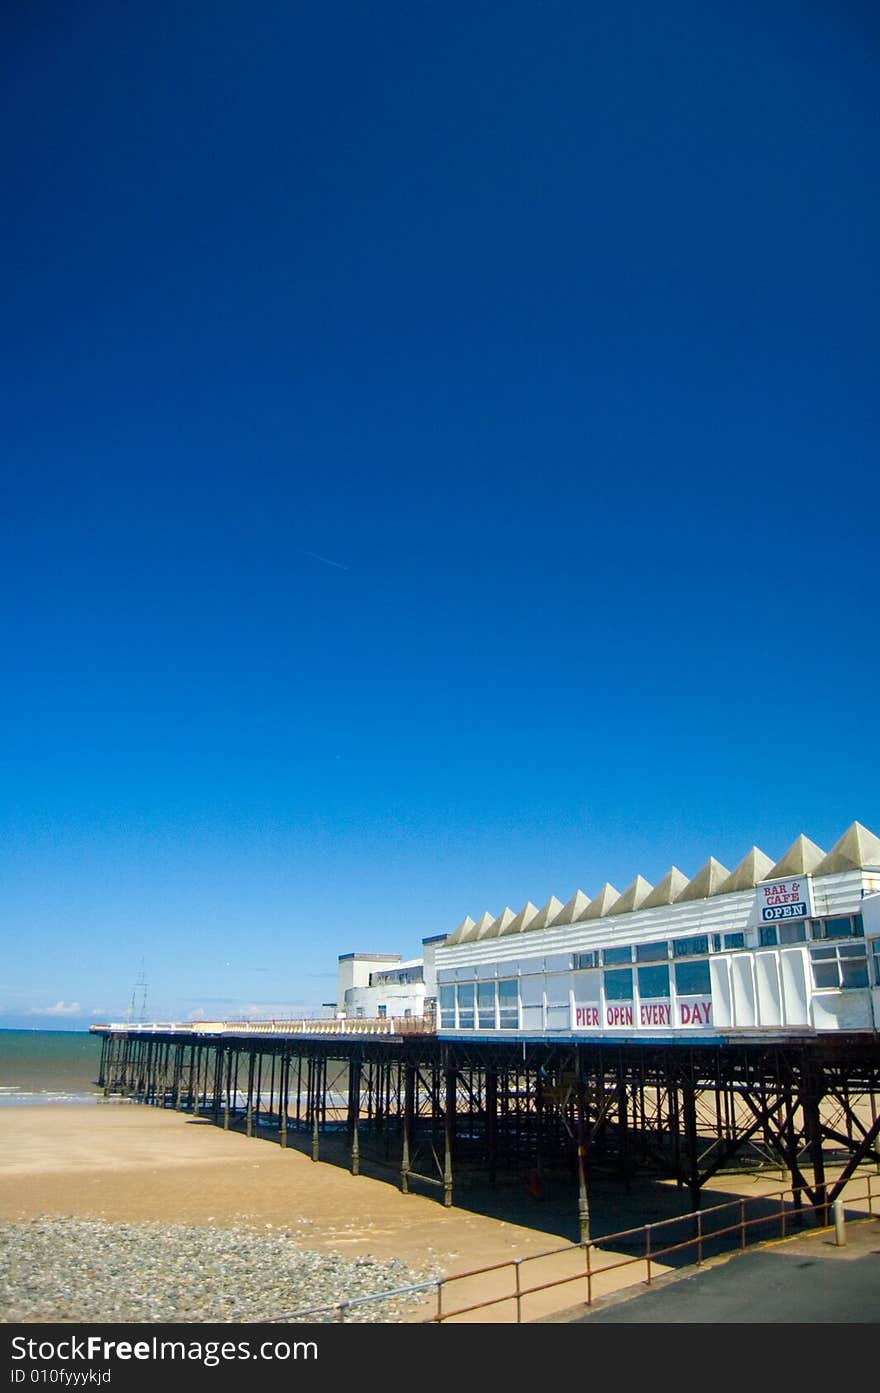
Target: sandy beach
{"type": "Point", "coordinates": [133, 1163]}
{"type": "Point", "coordinates": [124, 1163]}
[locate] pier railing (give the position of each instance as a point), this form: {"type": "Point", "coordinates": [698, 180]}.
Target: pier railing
{"type": "Point", "coordinates": [346, 1026]}
{"type": "Point", "coordinates": [716, 1231]}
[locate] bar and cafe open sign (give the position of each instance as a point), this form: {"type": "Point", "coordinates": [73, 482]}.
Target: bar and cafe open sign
{"type": "Point", "coordinates": [783, 899]}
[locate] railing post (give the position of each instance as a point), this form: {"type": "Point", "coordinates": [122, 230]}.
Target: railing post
{"type": "Point", "coordinates": [839, 1223]}
{"type": "Point", "coordinates": [587, 1250]}
{"type": "Point", "coordinates": [516, 1263]}
{"type": "Point", "coordinates": [648, 1251]}
{"type": "Point", "coordinates": [742, 1223]}
{"type": "Point", "coordinates": [699, 1238]}
{"type": "Point", "coordinates": [439, 1298]}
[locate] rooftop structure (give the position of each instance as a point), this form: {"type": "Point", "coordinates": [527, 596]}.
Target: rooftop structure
{"type": "Point", "coordinates": [857, 848]}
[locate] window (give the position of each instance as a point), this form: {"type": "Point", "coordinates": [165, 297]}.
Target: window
{"type": "Point", "coordinates": [839, 966]}
{"type": "Point", "coordinates": [486, 1005]}
{"type": "Point", "coordinates": [844, 926]}
{"type": "Point", "coordinates": [383, 1012]}
{"type": "Point", "coordinates": [724, 942]}
{"type": "Point", "coordinates": [617, 955]}
{"type": "Point", "coordinates": [465, 1005]}
{"type": "Point", "coordinates": [690, 947]}
{"type": "Point", "coordinates": [654, 981]}
{"type": "Point", "coordinates": [693, 979]}
{"type": "Point", "coordinates": [508, 1005]}
{"type": "Point", "coordinates": [587, 959]}
{"type": "Point", "coordinates": [652, 952]}
{"type": "Point", "coordinates": [619, 985]}
{"type": "Point", "coordinates": [447, 1007]}
{"type": "Point", "coordinates": [877, 962]}
{"type": "Point", "coordinates": [793, 932]}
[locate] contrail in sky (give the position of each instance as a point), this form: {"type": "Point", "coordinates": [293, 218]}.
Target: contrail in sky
{"type": "Point", "coordinates": [326, 560]}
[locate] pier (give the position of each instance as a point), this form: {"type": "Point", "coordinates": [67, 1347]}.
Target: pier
{"type": "Point", "coordinates": [436, 1112]}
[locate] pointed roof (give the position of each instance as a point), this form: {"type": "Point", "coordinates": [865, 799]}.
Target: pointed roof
{"type": "Point", "coordinates": [600, 906]}
{"type": "Point", "coordinates": [477, 930]}
{"type": "Point", "coordinates": [583, 909]}
{"type": "Point", "coordinates": [856, 848]}
{"type": "Point", "coordinates": [460, 929]}
{"type": "Point", "coordinates": [523, 920]}
{"type": "Point", "coordinates": [668, 891]}
{"type": "Point", "coordinates": [499, 925]}
{"type": "Point", "coordinates": [573, 910]}
{"type": "Point", "coordinates": [756, 865]}
{"type": "Point", "coordinates": [633, 896]}
{"type": "Point", "coordinates": [547, 916]}
{"type": "Point", "coordinates": [801, 859]}
{"type": "Point", "coordinates": [706, 882]}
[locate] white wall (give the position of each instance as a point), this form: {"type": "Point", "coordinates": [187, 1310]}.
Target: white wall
{"type": "Point", "coordinates": [397, 1000]}
{"type": "Point", "coordinates": [355, 968]}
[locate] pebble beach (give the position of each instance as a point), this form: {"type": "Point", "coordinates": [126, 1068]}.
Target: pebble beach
{"type": "Point", "coordinates": [93, 1271]}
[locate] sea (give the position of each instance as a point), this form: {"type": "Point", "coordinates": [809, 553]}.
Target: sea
{"type": "Point", "coordinates": [48, 1066]}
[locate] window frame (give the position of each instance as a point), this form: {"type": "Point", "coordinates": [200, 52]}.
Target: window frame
{"type": "Point", "coordinates": [506, 1007]}
{"type": "Point", "coordinates": [695, 947]}
{"type": "Point", "coordinates": [619, 973]}
{"type": "Point", "coordinates": [466, 1010]}
{"type": "Point", "coordinates": [694, 963]}
{"type": "Point", "coordinates": [486, 987]}
{"type": "Point", "coordinates": [658, 967]}
{"type": "Point", "coordinates": [829, 954]}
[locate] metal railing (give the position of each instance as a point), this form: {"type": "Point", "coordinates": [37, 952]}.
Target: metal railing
{"type": "Point", "coordinates": [788, 1209]}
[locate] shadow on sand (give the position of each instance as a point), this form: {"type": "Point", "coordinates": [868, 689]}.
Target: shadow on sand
{"type": "Point", "coordinates": [549, 1204]}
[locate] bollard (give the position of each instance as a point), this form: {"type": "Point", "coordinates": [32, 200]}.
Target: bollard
{"type": "Point", "coordinates": [839, 1223]}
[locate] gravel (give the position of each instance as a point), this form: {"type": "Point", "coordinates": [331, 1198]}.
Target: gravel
{"type": "Point", "coordinates": [72, 1270]}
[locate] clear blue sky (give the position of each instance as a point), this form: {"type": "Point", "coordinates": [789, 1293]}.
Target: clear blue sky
{"type": "Point", "coordinates": [440, 471]}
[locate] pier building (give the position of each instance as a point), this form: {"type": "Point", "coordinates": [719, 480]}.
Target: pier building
{"type": "Point", "coordinates": [728, 1018]}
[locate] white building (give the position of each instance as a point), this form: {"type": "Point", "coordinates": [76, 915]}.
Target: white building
{"type": "Point", "coordinates": [769, 949]}
{"type": "Point", "coordinates": [381, 985]}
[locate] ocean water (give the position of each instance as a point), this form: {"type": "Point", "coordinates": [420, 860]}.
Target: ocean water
{"type": "Point", "coordinates": [48, 1066]}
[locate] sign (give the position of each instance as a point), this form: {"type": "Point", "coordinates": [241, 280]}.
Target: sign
{"type": "Point", "coordinates": [619, 1013]}
{"type": "Point", "coordinates": [586, 1016]}
{"type": "Point", "coordinates": [784, 899]}
{"type": "Point", "coordinates": [688, 1013]}
{"type": "Point", "coordinates": [694, 1012]}
{"type": "Point", "coordinates": [653, 1013]}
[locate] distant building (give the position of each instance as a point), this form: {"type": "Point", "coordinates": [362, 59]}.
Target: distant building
{"type": "Point", "coordinates": [380, 985]}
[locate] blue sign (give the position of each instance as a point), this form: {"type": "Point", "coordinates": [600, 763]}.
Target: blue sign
{"type": "Point", "coordinates": [784, 911]}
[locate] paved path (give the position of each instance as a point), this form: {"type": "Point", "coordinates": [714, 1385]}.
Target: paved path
{"type": "Point", "coordinates": [806, 1280]}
